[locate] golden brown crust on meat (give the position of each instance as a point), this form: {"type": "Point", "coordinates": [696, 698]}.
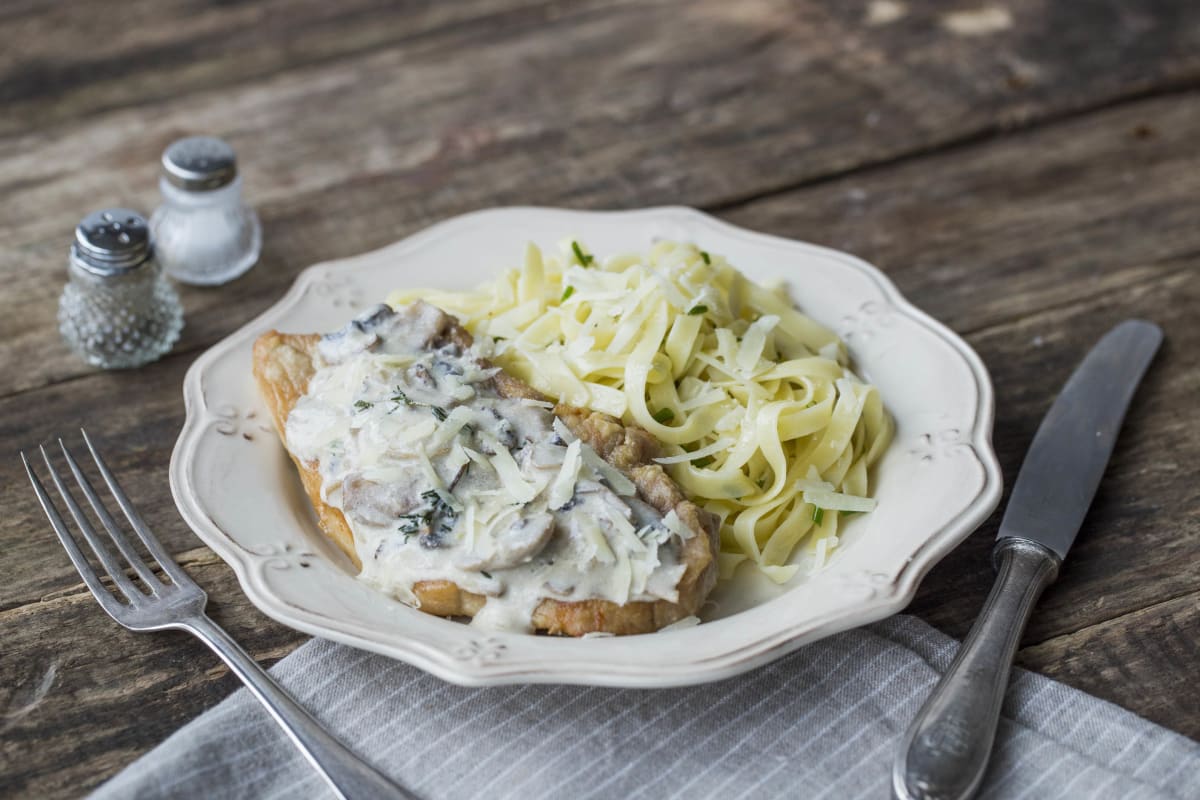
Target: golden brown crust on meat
{"type": "Point", "coordinates": [283, 365]}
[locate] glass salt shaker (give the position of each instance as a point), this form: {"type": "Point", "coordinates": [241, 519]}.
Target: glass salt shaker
{"type": "Point", "coordinates": [117, 310]}
{"type": "Point", "coordinates": [205, 235]}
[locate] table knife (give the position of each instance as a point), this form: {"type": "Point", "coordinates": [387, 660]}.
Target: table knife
{"type": "Point", "coordinates": [945, 751]}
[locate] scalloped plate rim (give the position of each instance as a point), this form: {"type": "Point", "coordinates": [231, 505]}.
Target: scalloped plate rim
{"type": "Point", "coordinates": [885, 600]}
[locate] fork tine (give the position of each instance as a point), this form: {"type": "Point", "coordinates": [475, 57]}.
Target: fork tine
{"type": "Point", "coordinates": [110, 525]}
{"type": "Point", "coordinates": [114, 569]}
{"type": "Point", "coordinates": [165, 562]}
{"type": "Point", "coordinates": [106, 599]}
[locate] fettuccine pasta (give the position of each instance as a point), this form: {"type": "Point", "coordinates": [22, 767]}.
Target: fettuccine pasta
{"type": "Point", "coordinates": [761, 417]}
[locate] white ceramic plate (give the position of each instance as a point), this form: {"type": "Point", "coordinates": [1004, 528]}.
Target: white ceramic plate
{"type": "Point", "coordinates": [939, 480]}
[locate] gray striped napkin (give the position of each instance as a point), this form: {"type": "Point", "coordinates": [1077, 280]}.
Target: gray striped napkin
{"type": "Point", "coordinates": [820, 723]}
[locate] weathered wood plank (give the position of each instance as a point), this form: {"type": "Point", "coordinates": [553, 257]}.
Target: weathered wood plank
{"type": "Point", "coordinates": [134, 417]}
{"type": "Point", "coordinates": [81, 697]}
{"type": "Point", "coordinates": [1144, 661]}
{"type": "Point", "coordinates": [1140, 544]}
{"type": "Point", "coordinates": [63, 63]}
{"type": "Point", "coordinates": [571, 104]}
{"type": "Point", "coordinates": [1040, 218]}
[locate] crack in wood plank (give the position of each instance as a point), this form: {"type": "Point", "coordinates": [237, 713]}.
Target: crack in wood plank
{"type": "Point", "coordinates": [91, 72]}
{"type": "Point", "coordinates": [983, 136]}
{"type": "Point", "coordinates": [24, 699]}
{"type": "Point", "coordinates": [1151, 647]}
{"type": "Point", "coordinates": [197, 556]}
{"type": "Point", "coordinates": [1122, 618]}
{"type": "Point", "coordinates": [1086, 298]}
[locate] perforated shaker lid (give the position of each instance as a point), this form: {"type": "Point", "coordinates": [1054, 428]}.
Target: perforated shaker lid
{"type": "Point", "coordinates": [111, 241]}
{"type": "Point", "coordinates": [199, 163]}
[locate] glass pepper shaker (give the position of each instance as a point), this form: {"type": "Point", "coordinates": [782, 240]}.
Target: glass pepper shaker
{"type": "Point", "coordinates": [205, 235]}
{"type": "Point", "coordinates": [117, 310]}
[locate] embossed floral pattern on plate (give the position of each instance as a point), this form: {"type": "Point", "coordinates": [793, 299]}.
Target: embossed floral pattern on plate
{"type": "Point", "coordinates": [232, 422]}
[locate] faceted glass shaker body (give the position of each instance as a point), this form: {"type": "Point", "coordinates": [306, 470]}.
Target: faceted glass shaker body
{"type": "Point", "coordinates": [120, 321]}
{"type": "Point", "coordinates": [205, 237]}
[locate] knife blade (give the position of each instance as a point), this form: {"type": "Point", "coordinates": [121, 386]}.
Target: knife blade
{"type": "Point", "coordinates": [946, 749]}
{"type": "Point", "coordinates": [1071, 448]}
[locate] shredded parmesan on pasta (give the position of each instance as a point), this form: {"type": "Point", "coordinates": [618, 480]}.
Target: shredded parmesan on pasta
{"type": "Point", "coordinates": [763, 421]}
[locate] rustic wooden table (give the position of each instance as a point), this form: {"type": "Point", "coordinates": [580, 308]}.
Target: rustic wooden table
{"type": "Point", "coordinates": [1027, 172]}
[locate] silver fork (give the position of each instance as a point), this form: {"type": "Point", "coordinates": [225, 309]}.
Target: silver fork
{"type": "Point", "coordinates": [180, 605]}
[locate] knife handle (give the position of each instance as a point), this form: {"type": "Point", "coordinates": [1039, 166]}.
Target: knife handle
{"type": "Point", "coordinates": [945, 751]}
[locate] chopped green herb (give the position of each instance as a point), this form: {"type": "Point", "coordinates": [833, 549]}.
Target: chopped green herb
{"type": "Point", "coordinates": [704, 255]}
{"type": "Point", "coordinates": [411, 524]}
{"type": "Point", "coordinates": [653, 533]}
{"type": "Point", "coordinates": [584, 259]}
{"type": "Point", "coordinates": [567, 292]}
{"type": "Point", "coordinates": [703, 461]}
{"type": "Point", "coordinates": [440, 413]}
{"type": "Point", "coordinates": [700, 309]}
{"type": "Point", "coordinates": [818, 514]}
{"type": "Point", "coordinates": [400, 398]}
{"type": "Point", "coordinates": [487, 575]}
{"type": "Point", "coordinates": [663, 416]}
{"type": "Point", "coordinates": [362, 405]}
{"type": "Point", "coordinates": [761, 482]}
{"type": "Point", "coordinates": [437, 514]}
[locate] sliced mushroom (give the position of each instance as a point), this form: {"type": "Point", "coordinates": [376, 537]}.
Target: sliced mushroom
{"type": "Point", "coordinates": [378, 503]}
{"type": "Point", "coordinates": [502, 430]}
{"type": "Point", "coordinates": [356, 337]}
{"type": "Point", "coordinates": [373, 317]}
{"type": "Point", "coordinates": [517, 545]}
{"type": "Point", "coordinates": [419, 375]}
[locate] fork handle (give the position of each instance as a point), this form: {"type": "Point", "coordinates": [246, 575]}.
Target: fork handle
{"type": "Point", "coordinates": [348, 775]}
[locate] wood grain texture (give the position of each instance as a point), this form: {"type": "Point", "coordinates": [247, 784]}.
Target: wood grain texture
{"type": "Point", "coordinates": [1140, 544]}
{"type": "Point", "coordinates": [134, 418]}
{"type": "Point", "coordinates": [1030, 185]}
{"type": "Point", "coordinates": [71, 716]}
{"type": "Point", "coordinates": [1144, 649]}
{"type": "Point", "coordinates": [600, 105]}
{"type": "Point", "coordinates": [1035, 219]}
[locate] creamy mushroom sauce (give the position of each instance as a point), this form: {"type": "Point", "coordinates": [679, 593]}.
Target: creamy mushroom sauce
{"type": "Point", "coordinates": [441, 478]}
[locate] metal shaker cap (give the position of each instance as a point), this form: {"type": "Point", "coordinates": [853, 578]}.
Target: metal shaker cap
{"type": "Point", "coordinates": [112, 241]}
{"type": "Point", "coordinates": [199, 163]}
